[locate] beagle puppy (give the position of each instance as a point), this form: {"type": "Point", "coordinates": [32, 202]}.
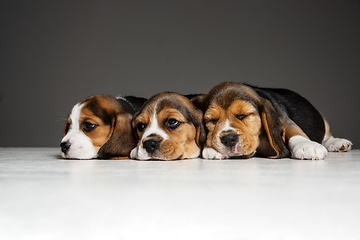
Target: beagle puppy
{"type": "Point", "coordinates": [100, 127]}
{"type": "Point", "coordinates": [244, 121]}
{"type": "Point", "coordinates": [168, 127]}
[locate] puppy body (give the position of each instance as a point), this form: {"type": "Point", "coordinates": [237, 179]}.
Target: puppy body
{"type": "Point", "coordinates": [168, 127]}
{"type": "Point", "coordinates": [244, 121]}
{"type": "Point", "coordinates": [100, 127]}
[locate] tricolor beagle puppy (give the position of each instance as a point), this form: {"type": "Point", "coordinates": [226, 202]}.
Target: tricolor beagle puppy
{"type": "Point", "coordinates": [100, 127]}
{"type": "Point", "coordinates": [168, 127]}
{"type": "Point", "coordinates": [243, 120]}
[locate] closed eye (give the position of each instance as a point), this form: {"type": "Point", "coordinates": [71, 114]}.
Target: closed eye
{"type": "Point", "coordinates": [214, 121]}
{"type": "Point", "coordinates": [242, 116]}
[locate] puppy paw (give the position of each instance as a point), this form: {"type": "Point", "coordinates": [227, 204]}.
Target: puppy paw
{"type": "Point", "coordinates": [303, 148]}
{"type": "Point", "coordinates": [210, 153]}
{"type": "Point", "coordinates": [337, 144]}
{"type": "Point", "coordinates": [133, 153]}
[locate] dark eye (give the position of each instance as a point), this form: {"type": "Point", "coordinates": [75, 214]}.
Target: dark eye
{"type": "Point", "coordinates": [87, 127]}
{"type": "Point", "coordinates": [214, 121]}
{"type": "Point", "coordinates": [141, 126]}
{"type": "Point", "coordinates": [240, 116]}
{"type": "Point", "coordinates": [67, 127]}
{"type": "Point", "coordinates": [172, 123]}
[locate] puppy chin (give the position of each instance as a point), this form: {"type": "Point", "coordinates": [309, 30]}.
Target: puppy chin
{"type": "Point", "coordinates": [242, 156]}
{"type": "Point", "coordinates": [80, 154]}
{"type": "Point", "coordinates": [235, 152]}
{"type": "Point", "coordinates": [140, 153]}
{"type": "Point", "coordinates": [81, 147]}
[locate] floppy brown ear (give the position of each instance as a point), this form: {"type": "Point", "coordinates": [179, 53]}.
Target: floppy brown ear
{"type": "Point", "coordinates": [134, 127]}
{"type": "Point", "coordinates": [198, 100]}
{"type": "Point", "coordinates": [122, 139]}
{"type": "Point", "coordinates": [198, 122]}
{"type": "Point", "coordinates": [271, 126]}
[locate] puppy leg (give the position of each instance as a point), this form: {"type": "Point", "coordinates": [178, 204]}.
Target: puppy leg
{"type": "Point", "coordinates": [210, 153]}
{"type": "Point", "coordinates": [303, 148]}
{"type": "Point", "coordinates": [300, 146]}
{"type": "Point", "coordinates": [335, 144]}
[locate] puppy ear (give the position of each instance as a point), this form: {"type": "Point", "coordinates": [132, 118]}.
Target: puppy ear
{"type": "Point", "coordinates": [134, 127]}
{"type": "Point", "coordinates": [122, 139]}
{"type": "Point", "coordinates": [198, 100]}
{"type": "Point", "coordinates": [198, 122]}
{"type": "Point", "coordinates": [271, 124]}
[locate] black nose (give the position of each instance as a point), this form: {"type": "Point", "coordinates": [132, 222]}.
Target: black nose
{"type": "Point", "coordinates": [65, 146]}
{"type": "Point", "coordinates": [151, 145]}
{"type": "Point", "coordinates": [229, 140]}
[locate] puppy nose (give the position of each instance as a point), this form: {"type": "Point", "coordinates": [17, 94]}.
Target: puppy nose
{"type": "Point", "coordinates": [65, 146]}
{"type": "Point", "coordinates": [151, 145]}
{"type": "Point", "coordinates": [229, 140]}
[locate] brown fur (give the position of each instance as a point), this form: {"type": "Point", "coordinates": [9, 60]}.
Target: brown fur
{"type": "Point", "coordinates": [248, 129]}
{"type": "Point", "coordinates": [101, 133]}
{"type": "Point", "coordinates": [112, 137]}
{"type": "Point", "coordinates": [185, 140]}
{"type": "Point", "coordinates": [259, 125]}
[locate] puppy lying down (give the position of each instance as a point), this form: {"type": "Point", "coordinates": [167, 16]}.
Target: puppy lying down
{"type": "Point", "coordinates": [244, 121]}
{"type": "Point", "coordinates": [168, 127]}
{"type": "Point", "coordinates": [100, 127]}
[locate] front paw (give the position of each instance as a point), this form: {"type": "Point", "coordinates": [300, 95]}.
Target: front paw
{"type": "Point", "coordinates": [303, 148]}
{"type": "Point", "coordinates": [337, 144]}
{"type": "Point", "coordinates": [210, 153]}
{"type": "Point", "coordinates": [133, 153]}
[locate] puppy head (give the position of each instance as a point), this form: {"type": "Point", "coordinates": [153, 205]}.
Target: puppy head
{"type": "Point", "coordinates": [98, 126]}
{"type": "Point", "coordinates": [237, 120]}
{"type": "Point", "coordinates": [168, 127]}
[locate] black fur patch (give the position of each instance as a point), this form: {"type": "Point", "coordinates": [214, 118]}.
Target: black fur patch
{"type": "Point", "coordinates": [297, 108]}
{"type": "Point", "coordinates": [135, 103]}
{"type": "Point", "coordinates": [93, 105]}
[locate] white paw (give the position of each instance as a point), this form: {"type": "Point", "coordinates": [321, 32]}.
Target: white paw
{"type": "Point", "coordinates": [140, 153]}
{"type": "Point", "coordinates": [133, 153]}
{"type": "Point", "coordinates": [303, 148]}
{"type": "Point", "coordinates": [337, 144]}
{"type": "Point", "coordinates": [210, 153]}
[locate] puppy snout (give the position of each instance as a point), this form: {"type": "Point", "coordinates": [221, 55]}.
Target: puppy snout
{"type": "Point", "coordinates": [229, 140]}
{"type": "Point", "coordinates": [65, 146]}
{"type": "Point", "coordinates": [151, 145]}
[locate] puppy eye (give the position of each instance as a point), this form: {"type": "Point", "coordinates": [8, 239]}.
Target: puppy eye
{"type": "Point", "coordinates": [87, 127]}
{"type": "Point", "coordinates": [240, 116]}
{"type": "Point", "coordinates": [172, 123]}
{"type": "Point", "coordinates": [67, 127]}
{"type": "Point", "coordinates": [141, 126]}
{"type": "Point", "coordinates": [214, 121]}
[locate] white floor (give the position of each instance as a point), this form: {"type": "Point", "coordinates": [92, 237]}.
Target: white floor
{"type": "Point", "coordinates": [45, 197]}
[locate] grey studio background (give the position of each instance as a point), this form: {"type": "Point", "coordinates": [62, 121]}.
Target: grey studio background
{"type": "Point", "coordinates": [55, 53]}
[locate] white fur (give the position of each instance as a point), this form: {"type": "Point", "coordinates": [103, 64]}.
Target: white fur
{"type": "Point", "coordinates": [227, 127]}
{"type": "Point", "coordinates": [211, 153]}
{"type": "Point", "coordinates": [222, 147]}
{"type": "Point", "coordinates": [337, 144]}
{"type": "Point", "coordinates": [139, 153]}
{"type": "Point", "coordinates": [303, 148]}
{"type": "Point", "coordinates": [154, 128]}
{"type": "Point", "coordinates": [81, 146]}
